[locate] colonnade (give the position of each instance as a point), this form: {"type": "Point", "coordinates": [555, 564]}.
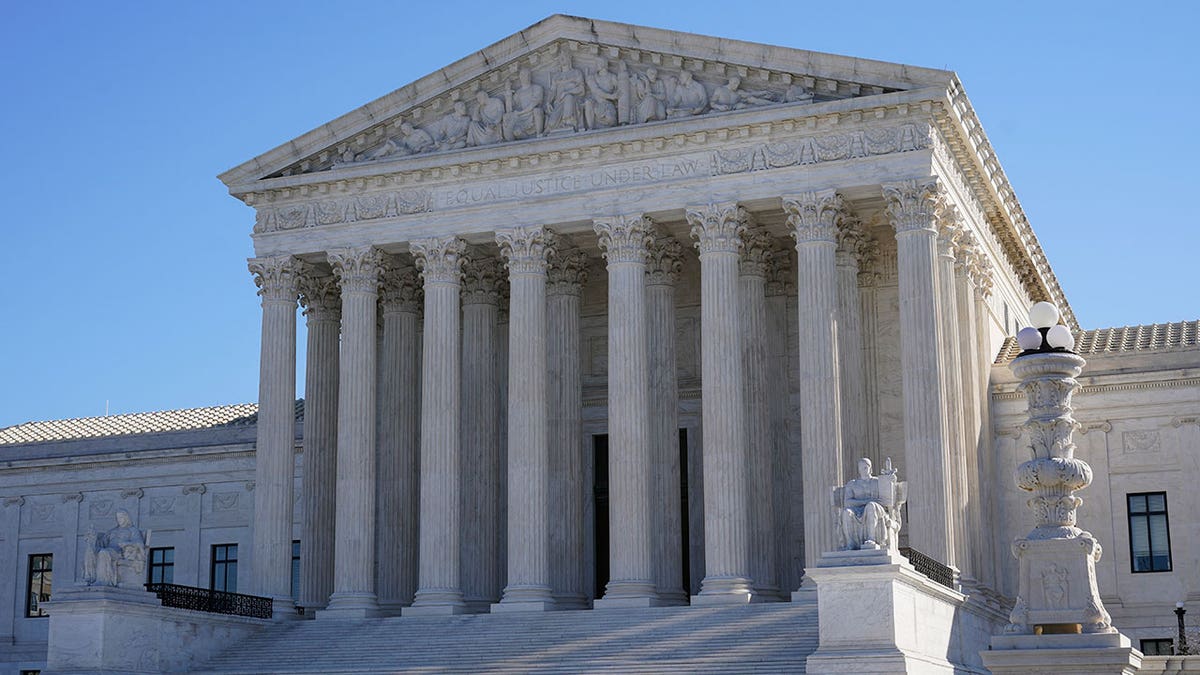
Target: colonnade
{"type": "Point", "coordinates": [373, 444]}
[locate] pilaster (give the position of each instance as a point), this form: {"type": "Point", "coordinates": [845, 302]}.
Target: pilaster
{"type": "Point", "coordinates": [718, 229]}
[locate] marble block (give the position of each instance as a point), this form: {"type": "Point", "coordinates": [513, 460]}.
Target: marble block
{"type": "Point", "coordinates": [1093, 654]}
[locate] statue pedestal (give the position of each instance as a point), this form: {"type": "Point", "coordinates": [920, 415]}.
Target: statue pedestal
{"type": "Point", "coordinates": [878, 615]}
{"type": "Point", "coordinates": [104, 629]}
{"type": "Point", "coordinates": [1090, 654]}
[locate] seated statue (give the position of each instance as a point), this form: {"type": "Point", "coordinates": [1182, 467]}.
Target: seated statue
{"type": "Point", "coordinates": [116, 557]}
{"type": "Point", "coordinates": [868, 509]}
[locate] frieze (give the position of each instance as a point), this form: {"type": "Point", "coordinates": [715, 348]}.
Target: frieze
{"type": "Point", "coordinates": [726, 161]}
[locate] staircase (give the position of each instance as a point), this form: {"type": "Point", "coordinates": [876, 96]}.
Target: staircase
{"type": "Point", "coordinates": [760, 638]}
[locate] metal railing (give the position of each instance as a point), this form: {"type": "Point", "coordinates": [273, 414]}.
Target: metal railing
{"type": "Point", "coordinates": [935, 570]}
{"type": "Point", "coordinates": [216, 602]}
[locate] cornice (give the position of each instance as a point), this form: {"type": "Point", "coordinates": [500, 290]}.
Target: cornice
{"type": "Point", "coordinates": [1002, 392]}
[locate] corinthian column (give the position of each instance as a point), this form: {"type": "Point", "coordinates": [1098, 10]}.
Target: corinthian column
{"type": "Point", "coordinates": [274, 464]}
{"type": "Point", "coordinates": [631, 579]}
{"type": "Point", "coordinates": [949, 227]}
{"type": "Point", "coordinates": [851, 242]}
{"type": "Point", "coordinates": [813, 218]}
{"type": "Point", "coordinates": [666, 259]}
{"type": "Point", "coordinates": [781, 282]}
{"type": "Point", "coordinates": [396, 512]}
{"type": "Point", "coordinates": [483, 277]}
{"type": "Point", "coordinates": [526, 249]}
{"type": "Point", "coordinates": [911, 206]}
{"type": "Point", "coordinates": [321, 298]}
{"type": "Point", "coordinates": [439, 588]}
{"type": "Point", "coordinates": [357, 270]}
{"type": "Point", "coordinates": [752, 280]}
{"type": "Point", "coordinates": [719, 228]}
{"type": "Point", "coordinates": [566, 276]}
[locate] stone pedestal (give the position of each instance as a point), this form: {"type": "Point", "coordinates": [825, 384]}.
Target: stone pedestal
{"type": "Point", "coordinates": [101, 629]}
{"type": "Point", "coordinates": [878, 615]}
{"type": "Point", "coordinates": [1093, 654]}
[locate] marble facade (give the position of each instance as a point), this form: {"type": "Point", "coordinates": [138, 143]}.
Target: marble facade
{"type": "Point", "coordinates": [584, 240]}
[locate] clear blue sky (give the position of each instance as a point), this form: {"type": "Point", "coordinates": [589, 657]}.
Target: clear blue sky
{"type": "Point", "coordinates": [124, 270]}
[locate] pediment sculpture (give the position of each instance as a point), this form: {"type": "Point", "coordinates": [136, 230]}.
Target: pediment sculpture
{"type": "Point", "coordinates": [575, 93]}
{"type": "Point", "coordinates": [868, 509]}
{"type": "Point", "coordinates": [116, 557]}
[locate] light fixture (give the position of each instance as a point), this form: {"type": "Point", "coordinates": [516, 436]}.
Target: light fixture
{"type": "Point", "coordinates": [1046, 334]}
{"type": "Point", "coordinates": [1043, 315]}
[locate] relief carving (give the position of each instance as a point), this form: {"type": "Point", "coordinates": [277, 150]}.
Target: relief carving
{"type": "Point", "coordinates": [1141, 441]}
{"type": "Point", "coordinates": [225, 501]}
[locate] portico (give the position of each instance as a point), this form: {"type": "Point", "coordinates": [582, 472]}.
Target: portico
{"type": "Point", "coordinates": [782, 276]}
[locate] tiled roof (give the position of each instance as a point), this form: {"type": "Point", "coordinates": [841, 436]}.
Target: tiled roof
{"type": "Point", "coordinates": [243, 414]}
{"type": "Point", "coordinates": [1151, 337]}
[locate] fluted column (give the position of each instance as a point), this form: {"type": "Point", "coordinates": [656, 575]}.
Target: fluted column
{"type": "Point", "coordinates": [483, 277]}
{"type": "Point", "coordinates": [322, 301]}
{"type": "Point", "coordinates": [439, 589]}
{"type": "Point", "coordinates": [662, 271]}
{"type": "Point", "coordinates": [781, 282]}
{"type": "Point", "coordinates": [526, 250]}
{"type": "Point", "coordinates": [752, 280]}
{"type": "Point", "coordinates": [851, 241]}
{"type": "Point", "coordinates": [813, 218]}
{"type": "Point", "coordinates": [399, 394]}
{"type": "Point", "coordinates": [949, 228]}
{"type": "Point", "coordinates": [565, 278]}
{"type": "Point", "coordinates": [357, 271]}
{"type": "Point", "coordinates": [868, 280]}
{"type": "Point", "coordinates": [718, 229]}
{"type": "Point", "coordinates": [274, 467]}
{"type": "Point", "coordinates": [624, 241]}
{"type": "Point", "coordinates": [911, 206]}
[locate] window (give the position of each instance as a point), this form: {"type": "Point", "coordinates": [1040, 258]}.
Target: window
{"type": "Point", "coordinates": [1158, 647]}
{"type": "Point", "coordinates": [41, 573]}
{"type": "Point", "coordinates": [1149, 534]}
{"type": "Point", "coordinates": [162, 565]}
{"type": "Point", "coordinates": [295, 569]}
{"type": "Point", "coordinates": [224, 568]}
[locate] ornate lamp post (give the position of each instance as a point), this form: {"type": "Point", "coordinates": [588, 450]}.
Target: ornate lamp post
{"type": "Point", "coordinates": [1181, 645]}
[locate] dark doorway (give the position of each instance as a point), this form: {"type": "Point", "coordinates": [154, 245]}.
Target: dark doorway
{"type": "Point", "coordinates": [600, 490]}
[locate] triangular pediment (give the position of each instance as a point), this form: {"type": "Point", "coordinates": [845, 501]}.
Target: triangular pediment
{"type": "Point", "coordinates": [568, 75]}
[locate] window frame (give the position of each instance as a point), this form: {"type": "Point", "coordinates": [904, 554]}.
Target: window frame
{"type": "Point", "coordinates": [30, 611]}
{"type": "Point", "coordinates": [151, 565]}
{"type": "Point", "coordinates": [1170, 642]}
{"type": "Point", "coordinates": [1130, 515]}
{"type": "Point", "coordinates": [213, 563]}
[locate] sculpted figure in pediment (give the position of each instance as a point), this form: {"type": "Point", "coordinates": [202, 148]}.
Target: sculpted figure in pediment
{"type": "Point", "coordinates": [688, 98]}
{"type": "Point", "coordinates": [651, 95]}
{"type": "Point", "coordinates": [452, 128]}
{"type": "Point", "coordinates": [600, 108]}
{"type": "Point", "coordinates": [525, 117]}
{"type": "Point", "coordinates": [411, 141]}
{"type": "Point", "coordinates": [730, 96]}
{"type": "Point", "coordinates": [567, 90]}
{"type": "Point", "coordinates": [798, 93]}
{"type": "Point", "coordinates": [485, 127]}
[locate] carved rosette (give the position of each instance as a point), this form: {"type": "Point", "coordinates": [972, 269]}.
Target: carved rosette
{"type": "Point", "coordinates": [718, 228]}
{"type": "Point", "coordinates": [780, 276]}
{"type": "Point", "coordinates": [483, 278]}
{"type": "Point", "coordinates": [277, 277]}
{"type": "Point", "coordinates": [814, 217]}
{"type": "Point", "coordinates": [400, 288]}
{"type": "Point", "coordinates": [666, 260]}
{"type": "Point", "coordinates": [527, 250]}
{"type": "Point", "coordinates": [568, 272]}
{"type": "Point", "coordinates": [439, 259]}
{"type": "Point", "coordinates": [757, 249]}
{"type": "Point", "coordinates": [913, 205]}
{"type": "Point", "coordinates": [321, 297]}
{"type": "Point", "coordinates": [625, 239]}
{"type": "Point", "coordinates": [357, 269]}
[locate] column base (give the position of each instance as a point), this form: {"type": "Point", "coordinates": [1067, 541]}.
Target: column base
{"type": "Point", "coordinates": [1092, 653]}
{"type": "Point", "coordinates": [350, 605]}
{"type": "Point", "coordinates": [767, 595]}
{"type": "Point", "coordinates": [506, 606]}
{"type": "Point", "coordinates": [675, 598]}
{"type": "Point", "coordinates": [284, 609]}
{"type": "Point", "coordinates": [723, 590]}
{"type": "Point", "coordinates": [627, 593]}
{"type": "Point", "coordinates": [437, 602]}
{"type": "Point", "coordinates": [446, 609]}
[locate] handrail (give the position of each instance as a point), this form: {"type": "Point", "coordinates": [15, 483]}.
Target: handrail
{"type": "Point", "coordinates": [208, 600]}
{"type": "Point", "coordinates": [937, 571]}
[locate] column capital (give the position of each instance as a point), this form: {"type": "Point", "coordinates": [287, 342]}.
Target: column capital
{"type": "Point", "coordinates": [483, 278]}
{"type": "Point", "coordinates": [813, 217]}
{"type": "Point", "coordinates": [781, 280]}
{"type": "Point", "coordinates": [718, 228]}
{"type": "Point", "coordinates": [320, 296]}
{"type": "Point", "coordinates": [400, 288]}
{"type": "Point", "coordinates": [439, 259]}
{"type": "Point", "coordinates": [950, 229]}
{"type": "Point", "coordinates": [666, 259]}
{"type": "Point", "coordinates": [913, 205]}
{"type": "Point", "coordinates": [757, 248]}
{"type": "Point", "coordinates": [624, 239]}
{"type": "Point", "coordinates": [853, 243]}
{"type": "Point", "coordinates": [357, 269]}
{"type": "Point", "coordinates": [527, 250]}
{"type": "Point", "coordinates": [567, 273]}
{"type": "Point", "coordinates": [277, 277]}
